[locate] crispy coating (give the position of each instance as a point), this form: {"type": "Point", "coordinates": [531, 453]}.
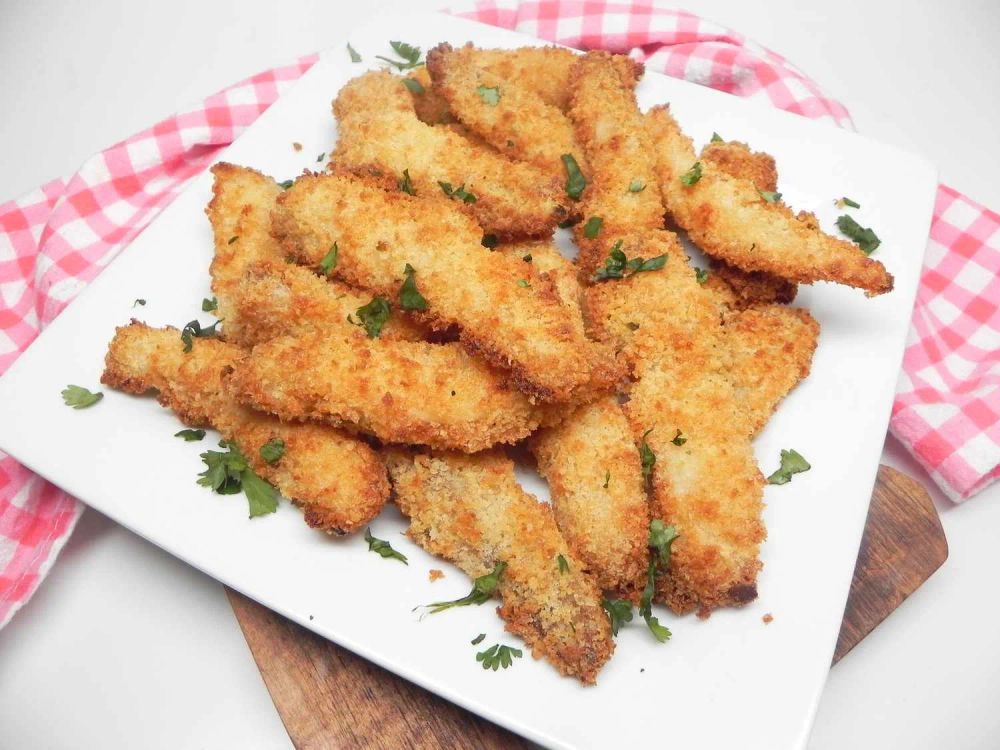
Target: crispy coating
{"type": "Point", "coordinates": [507, 312]}
{"type": "Point", "coordinates": [195, 385]}
{"type": "Point", "coordinates": [519, 124]}
{"type": "Point", "coordinates": [378, 127]}
{"type": "Point", "coordinates": [737, 160]}
{"type": "Point", "coordinates": [471, 511]}
{"type": "Point", "coordinates": [429, 106]}
{"type": "Point", "coordinates": [610, 127]}
{"type": "Point", "coordinates": [398, 391]}
{"type": "Point", "coordinates": [598, 492]}
{"type": "Point", "coordinates": [728, 219]}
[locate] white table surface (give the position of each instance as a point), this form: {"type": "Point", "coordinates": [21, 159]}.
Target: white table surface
{"type": "Point", "coordinates": [125, 647]}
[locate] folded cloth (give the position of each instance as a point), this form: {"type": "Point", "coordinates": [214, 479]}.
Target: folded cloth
{"type": "Point", "coordinates": [57, 238]}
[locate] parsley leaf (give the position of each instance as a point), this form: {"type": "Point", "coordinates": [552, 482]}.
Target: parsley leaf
{"type": "Point", "coordinates": [413, 85]}
{"type": "Point", "coordinates": [355, 57]}
{"type": "Point", "coordinates": [636, 186]}
{"type": "Point", "coordinates": [229, 472]}
{"type": "Point", "coordinates": [575, 181]}
{"type": "Point", "coordinates": [619, 612]}
{"type": "Point", "coordinates": [489, 94]}
{"type": "Point", "coordinates": [769, 196]}
{"type": "Point", "coordinates": [139, 301]}
{"type": "Point", "coordinates": [523, 283]}
{"type": "Point", "coordinates": [845, 201]}
{"type": "Point", "coordinates": [478, 639]}
{"type": "Point", "coordinates": [865, 238]}
{"type": "Point", "coordinates": [410, 56]}
{"type": "Point", "coordinates": [194, 330]}
{"type": "Point", "coordinates": [460, 192]}
{"type": "Point", "coordinates": [692, 176]}
{"type": "Point", "coordinates": [617, 264]}
{"type": "Point", "coordinates": [383, 548]}
{"type": "Point", "coordinates": [190, 436]}
{"type": "Point", "coordinates": [286, 184]}
{"type": "Point", "coordinates": [482, 589]}
{"type": "Point", "coordinates": [262, 498]}
{"type": "Point", "coordinates": [791, 463]}
{"type": "Point", "coordinates": [80, 398]}
{"type": "Point", "coordinates": [563, 565]}
{"type": "Point", "coordinates": [660, 632]}
{"type": "Point", "coordinates": [661, 538]}
{"type": "Point", "coordinates": [233, 239]}
{"type": "Point", "coordinates": [607, 478]}
{"type": "Point", "coordinates": [647, 457]}
{"type": "Point", "coordinates": [273, 450]}
{"type": "Point", "coordinates": [678, 439]}
{"type": "Point", "coordinates": [329, 261]}
{"type": "Point", "coordinates": [405, 185]}
{"type": "Point", "coordinates": [489, 240]}
{"type": "Point", "coordinates": [320, 157]}
{"type": "Point", "coordinates": [716, 138]}
{"type": "Point", "coordinates": [701, 275]}
{"type": "Point", "coordinates": [409, 297]}
{"type": "Point", "coordinates": [593, 227]}
{"type": "Point", "coordinates": [497, 656]}
{"type": "Point", "coordinates": [373, 316]}
{"type": "Point", "coordinates": [526, 258]}
{"type": "Point", "coordinates": [209, 304]}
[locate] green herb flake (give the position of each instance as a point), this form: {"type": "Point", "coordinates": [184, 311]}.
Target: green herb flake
{"type": "Point", "coordinates": [497, 656]}
{"type": "Point", "coordinates": [660, 632]}
{"type": "Point", "coordinates": [692, 176]}
{"type": "Point", "coordinates": [575, 181]}
{"type": "Point", "coordinates": [355, 57]}
{"type": "Point", "coordinates": [661, 539]}
{"type": "Point", "coordinates": [526, 258]}
{"type": "Point", "coordinates": [409, 297]}
{"type": "Point", "coordinates": [405, 184]}
{"type": "Point", "coordinates": [460, 192]}
{"type": "Point", "coordinates": [209, 304]}
{"type": "Point", "coordinates": [865, 238]}
{"type": "Point", "coordinates": [632, 326]}
{"type": "Point", "coordinates": [563, 565]}
{"type": "Point", "coordinates": [193, 330]}
{"type": "Point", "coordinates": [413, 85]}
{"type": "Point", "coordinates": [647, 457]}
{"type": "Point", "coordinates": [321, 157]}
{"type": "Point", "coordinates": [233, 239]}
{"type": "Point", "coordinates": [372, 317]}
{"type": "Point", "coordinates": [619, 612]}
{"type": "Point", "coordinates": [383, 548]}
{"type": "Point", "coordinates": [190, 436]}
{"type": "Point", "coordinates": [139, 301]}
{"type": "Point", "coordinates": [228, 473]}
{"type": "Point", "coordinates": [701, 275]}
{"type": "Point", "coordinates": [716, 138]}
{"type": "Point", "coordinates": [489, 240]}
{"type": "Point", "coordinates": [482, 589]}
{"type": "Point", "coordinates": [678, 439]}
{"type": "Point", "coordinates": [410, 56]}
{"type": "Point", "coordinates": [489, 94]}
{"type": "Point", "coordinates": [792, 462]}
{"type": "Point", "coordinates": [636, 186]}
{"type": "Point", "coordinates": [478, 639]}
{"type": "Point", "coordinates": [769, 196]}
{"type": "Point", "coordinates": [845, 201]}
{"type": "Point", "coordinates": [273, 450]}
{"type": "Point", "coordinates": [617, 264]}
{"type": "Point", "coordinates": [329, 261]}
{"type": "Point", "coordinates": [523, 283]}
{"type": "Point", "coordinates": [286, 184]}
{"type": "Point", "coordinates": [593, 227]}
{"type": "Point", "coordinates": [607, 478]}
{"type": "Point", "coordinates": [78, 397]}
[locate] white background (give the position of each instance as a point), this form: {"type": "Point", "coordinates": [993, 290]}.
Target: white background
{"type": "Point", "coordinates": [124, 646]}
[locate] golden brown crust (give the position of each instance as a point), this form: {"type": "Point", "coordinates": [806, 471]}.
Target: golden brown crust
{"type": "Point", "coordinates": [471, 511]}
{"type": "Point", "coordinates": [737, 160]}
{"type": "Point", "coordinates": [195, 386]}
{"type": "Point", "coordinates": [743, 289]}
{"type": "Point", "coordinates": [377, 126]}
{"type": "Point", "coordinates": [728, 219]}
{"type": "Point", "coordinates": [429, 106]}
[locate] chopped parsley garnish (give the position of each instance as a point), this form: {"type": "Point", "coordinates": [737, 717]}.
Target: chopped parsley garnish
{"type": "Point", "coordinates": [523, 283]}
{"type": "Point", "coordinates": [233, 239]}
{"type": "Point", "coordinates": [661, 538]}
{"type": "Point", "coordinates": [692, 176]}
{"type": "Point", "coordinates": [769, 196]}
{"type": "Point", "coordinates": [286, 184]}
{"type": "Point", "coordinates": [273, 450]}
{"type": "Point", "coordinates": [209, 304]}
{"type": "Point", "coordinates": [489, 94]}
{"type": "Point", "coordinates": [80, 398]}
{"type": "Point", "coordinates": [193, 330]}
{"type": "Point", "coordinates": [619, 612]}
{"type": "Point", "coordinates": [593, 227]}
{"type": "Point", "coordinates": [320, 157]}
{"type": "Point", "coordinates": [716, 138]}
{"type": "Point", "coordinates": [497, 656]}
{"type": "Point", "coordinates": [791, 463]}
{"type": "Point", "coordinates": [607, 478]}
{"type": "Point", "coordinates": [139, 301]}
{"type": "Point", "coordinates": [660, 632]}
{"type": "Point", "coordinates": [372, 316]}
{"type": "Point", "coordinates": [460, 192]}
{"type": "Point", "coordinates": [383, 548]}
{"type": "Point", "coordinates": [647, 457]}
{"type": "Point", "coordinates": [355, 57]}
{"type": "Point", "coordinates": [701, 275]}
{"type": "Point", "coordinates": [229, 472]}
{"type": "Point", "coordinates": [478, 639]}
{"type": "Point", "coordinates": [489, 240]}
{"type": "Point", "coordinates": [409, 297]}
{"type": "Point", "coordinates": [413, 85]}
{"type": "Point", "coordinates": [329, 261]}
{"type": "Point", "coordinates": [405, 185]}
{"type": "Point", "coordinates": [526, 258]}
{"type": "Point", "coordinates": [865, 238]}
{"type": "Point", "coordinates": [636, 186]}
{"type": "Point", "coordinates": [482, 589]}
{"type": "Point", "coordinates": [845, 201]}
{"type": "Point", "coordinates": [678, 439]}
{"type": "Point", "coordinates": [563, 565]}
{"type": "Point", "coordinates": [190, 436]}
{"type": "Point", "coordinates": [575, 181]}
{"type": "Point", "coordinates": [410, 56]}
{"type": "Point", "coordinates": [566, 223]}
{"type": "Point", "coordinates": [617, 264]}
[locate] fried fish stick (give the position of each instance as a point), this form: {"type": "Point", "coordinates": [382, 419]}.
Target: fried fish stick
{"type": "Point", "coordinates": [516, 321]}
{"type": "Point", "coordinates": [471, 511]}
{"type": "Point", "coordinates": [511, 118]}
{"type": "Point", "coordinates": [729, 219]}
{"type": "Point", "coordinates": [598, 492]}
{"type": "Point", "coordinates": [623, 193]}
{"type": "Point", "coordinates": [378, 127]}
{"type": "Point", "coordinates": [194, 385]}
{"type": "Point", "coordinates": [428, 104]}
{"type": "Point", "coordinates": [399, 391]}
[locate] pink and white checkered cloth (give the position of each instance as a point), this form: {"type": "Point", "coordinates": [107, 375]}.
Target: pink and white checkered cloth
{"type": "Point", "coordinates": [54, 240]}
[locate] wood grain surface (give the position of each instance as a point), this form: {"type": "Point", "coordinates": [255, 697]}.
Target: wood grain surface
{"type": "Point", "coordinates": [329, 698]}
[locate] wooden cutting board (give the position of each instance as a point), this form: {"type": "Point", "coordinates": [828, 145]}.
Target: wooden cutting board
{"type": "Point", "coordinates": [329, 698]}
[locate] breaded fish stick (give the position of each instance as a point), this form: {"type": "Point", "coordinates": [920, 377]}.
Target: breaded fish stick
{"type": "Point", "coordinates": [378, 127]}
{"type": "Point", "coordinates": [728, 219]}
{"type": "Point", "coordinates": [194, 385]}
{"type": "Point", "coordinates": [506, 115]}
{"type": "Point", "coordinates": [399, 391]}
{"type": "Point", "coordinates": [598, 493]}
{"type": "Point", "coordinates": [471, 511]}
{"type": "Point", "coordinates": [516, 321]}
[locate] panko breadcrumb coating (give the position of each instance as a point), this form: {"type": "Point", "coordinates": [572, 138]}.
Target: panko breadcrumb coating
{"type": "Point", "coordinates": [428, 104]}
{"type": "Point", "coordinates": [194, 385]}
{"type": "Point", "coordinates": [471, 511]}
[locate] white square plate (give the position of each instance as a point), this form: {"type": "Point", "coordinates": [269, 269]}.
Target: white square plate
{"type": "Point", "coordinates": [725, 682]}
